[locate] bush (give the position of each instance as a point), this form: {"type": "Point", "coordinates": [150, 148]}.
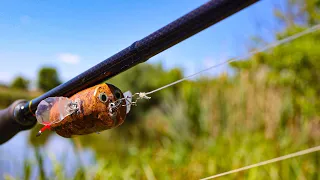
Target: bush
{"type": "Point", "coordinates": [20, 83]}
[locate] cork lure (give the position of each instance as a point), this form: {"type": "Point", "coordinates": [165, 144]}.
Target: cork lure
{"type": "Point", "coordinates": [95, 109]}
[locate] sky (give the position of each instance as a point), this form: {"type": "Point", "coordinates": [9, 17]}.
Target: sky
{"type": "Point", "coordinates": [73, 36]}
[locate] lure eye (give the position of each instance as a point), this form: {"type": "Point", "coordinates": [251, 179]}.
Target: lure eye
{"type": "Point", "coordinates": [103, 97]}
{"type": "Point", "coordinates": [117, 94]}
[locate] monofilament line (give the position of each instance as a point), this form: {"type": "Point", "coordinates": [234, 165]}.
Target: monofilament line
{"type": "Point", "coordinates": [272, 45]}
{"type": "Point", "coordinates": [299, 153]}
{"type": "Point", "coordinates": [143, 95]}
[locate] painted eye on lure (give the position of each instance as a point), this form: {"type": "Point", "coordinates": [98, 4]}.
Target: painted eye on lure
{"type": "Point", "coordinates": [117, 94]}
{"type": "Point", "coordinates": [103, 97]}
{"type": "Point", "coordinates": [95, 109]}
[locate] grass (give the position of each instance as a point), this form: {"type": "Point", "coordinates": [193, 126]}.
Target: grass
{"type": "Point", "coordinates": [8, 95]}
{"type": "Point", "coordinates": [222, 125]}
{"type": "Point", "coordinates": [203, 128]}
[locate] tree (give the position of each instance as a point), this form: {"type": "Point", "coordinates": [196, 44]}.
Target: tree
{"type": "Point", "coordinates": [20, 83]}
{"type": "Point", "coordinates": [48, 78]}
{"type": "Point", "coordinates": [293, 66]}
{"type": "Point", "coordinates": [294, 12]}
{"type": "Point", "coordinates": [138, 79]}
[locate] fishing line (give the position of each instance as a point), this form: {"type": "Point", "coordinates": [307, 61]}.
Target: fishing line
{"type": "Point", "coordinates": [277, 43]}
{"type": "Point", "coordinates": [144, 95]}
{"type": "Point", "coordinates": [299, 153]}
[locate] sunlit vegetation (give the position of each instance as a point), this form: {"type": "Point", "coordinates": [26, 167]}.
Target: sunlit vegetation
{"type": "Point", "coordinates": [268, 108]}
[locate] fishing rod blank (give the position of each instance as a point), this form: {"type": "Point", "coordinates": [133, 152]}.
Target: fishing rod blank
{"type": "Point", "coordinates": [139, 52]}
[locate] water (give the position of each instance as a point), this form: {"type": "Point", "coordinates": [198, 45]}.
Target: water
{"type": "Point", "coordinates": [15, 151]}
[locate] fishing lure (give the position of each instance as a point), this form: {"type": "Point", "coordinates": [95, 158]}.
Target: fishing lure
{"type": "Point", "coordinates": [95, 109]}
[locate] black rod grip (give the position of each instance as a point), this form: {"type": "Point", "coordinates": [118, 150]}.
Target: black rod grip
{"type": "Point", "coordinates": [9, 125]}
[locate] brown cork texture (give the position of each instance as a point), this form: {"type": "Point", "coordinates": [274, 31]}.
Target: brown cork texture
{"type": "Point", "coordinates": [93, 115]}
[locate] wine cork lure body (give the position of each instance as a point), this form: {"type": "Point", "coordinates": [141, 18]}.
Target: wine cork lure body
{"type": "Point", "coordinates": [95, 109]}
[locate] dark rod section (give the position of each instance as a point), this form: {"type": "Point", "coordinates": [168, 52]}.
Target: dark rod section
{"type": "Point", "coordinates": [9, 125]}
{"type": "Point", "coordinates": [140, 51]}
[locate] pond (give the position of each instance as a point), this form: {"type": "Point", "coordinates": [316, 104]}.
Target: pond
{"type": "Point", "coordinates": [57, 151]}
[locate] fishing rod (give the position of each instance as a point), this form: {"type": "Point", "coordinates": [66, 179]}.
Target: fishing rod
{"type": "Point", "coordinates": [20, 116]}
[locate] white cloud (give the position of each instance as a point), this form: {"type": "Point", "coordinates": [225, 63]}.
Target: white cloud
{"type": "Point", "coordinates": [69, 58]}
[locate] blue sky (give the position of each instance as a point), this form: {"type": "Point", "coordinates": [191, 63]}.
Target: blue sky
{"type": "Point", "coordinates": [75, 35]}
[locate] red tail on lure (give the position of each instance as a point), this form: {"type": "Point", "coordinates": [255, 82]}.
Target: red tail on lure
{"type": "Point", "coordinates": [45, 127]}
{"type": "Point", "coordinates": [95, 109]}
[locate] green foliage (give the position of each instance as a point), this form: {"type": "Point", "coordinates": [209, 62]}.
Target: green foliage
{"type": "Point", "coordinates": [239, 123]}
{"type": "Point", "coordinates": [305, 12]}
{"type": "Point", "coordinates": [295, 67]}
{"type": "Point", "coordinates": [211, 125]}
{"type": "Point", "coordinates": [20, 83]}
{"type": "Point", "coordinates": [8, 96]}
{"type": "Point", "coordinates": [146, 77]}
{"type": "Point", "coordinates": [48, 78]}
{"type": "Point", "coordinates": [39, 158]}
{"type": "Point", "coordinates": [27, 168]}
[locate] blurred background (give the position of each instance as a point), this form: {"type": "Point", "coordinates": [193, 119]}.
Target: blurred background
{"type": "Point", "coordinates": [235, 115]}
